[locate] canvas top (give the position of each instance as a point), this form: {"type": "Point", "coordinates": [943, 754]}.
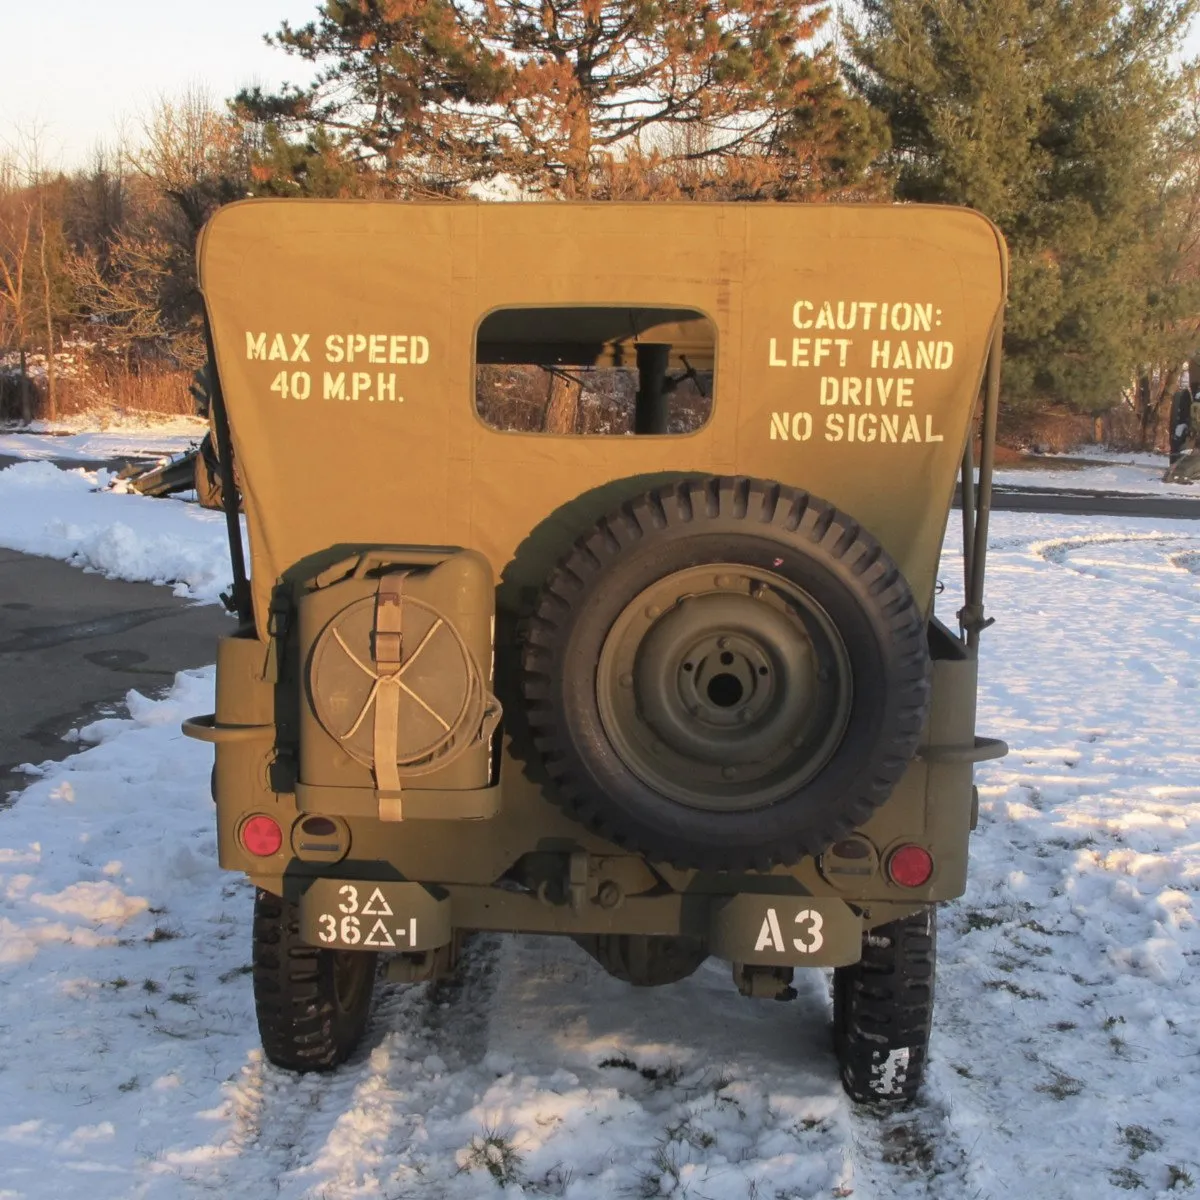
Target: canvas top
{"type": "Point", "coordinates": [365, 349]}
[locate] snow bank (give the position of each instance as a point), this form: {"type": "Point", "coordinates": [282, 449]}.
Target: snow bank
{"type": "Point", "coordinates": [68, 515]}
{"type": "Point", "coordinates": [114, 941]}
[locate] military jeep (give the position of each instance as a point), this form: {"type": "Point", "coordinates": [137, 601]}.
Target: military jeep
{"type": "Point", "coordinates": [593, 559]}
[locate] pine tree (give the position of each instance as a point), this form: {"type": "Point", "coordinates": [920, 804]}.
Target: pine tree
{"type": "Point", "coordinates": [315, 165]}
{"type": "Point", "coordinates": [1169, 329]}
{"type": "Point", "coordinates": [1052, 117]}
{"type": "Point", "coordinates": [579, 98]}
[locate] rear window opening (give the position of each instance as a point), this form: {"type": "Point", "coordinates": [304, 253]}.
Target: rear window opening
{"type": "Point", "coordinates": [614, 370]}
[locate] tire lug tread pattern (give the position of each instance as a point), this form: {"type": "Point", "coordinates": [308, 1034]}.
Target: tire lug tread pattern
{"type": "Point", "coordinates": [883, 1011]}
{"type": "Point", "coordinates": [295, 994]}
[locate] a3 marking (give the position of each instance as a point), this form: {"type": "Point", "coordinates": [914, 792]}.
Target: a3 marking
{"type": "Point", "coordinates": [770, 936]}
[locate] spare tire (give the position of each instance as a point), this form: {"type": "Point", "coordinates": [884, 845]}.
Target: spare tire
{"type": "Point", "coordinates": [725, 674]}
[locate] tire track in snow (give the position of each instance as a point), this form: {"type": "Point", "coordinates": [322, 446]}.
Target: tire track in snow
{"type": "Point", "coordinates": [537, 1070]}
{"type": "Point", "coordinates": [321, 1134]}
{"type": "Point", "coordinates": [1062, 1049]}
{"type": "Point", "coordinates": [912, 1153]}
{"type": "Point", "coordinates": [1168, 576]}
{"type": "Point", "coordinates": [1187, 560]}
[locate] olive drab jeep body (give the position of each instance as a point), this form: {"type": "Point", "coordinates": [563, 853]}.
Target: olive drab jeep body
{"type": "Point", "coordinates": [593, 554]}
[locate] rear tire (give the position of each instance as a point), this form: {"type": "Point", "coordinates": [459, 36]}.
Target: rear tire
{"type": "Point", "coordinates": [883, 1011]}
{"type": "Point", "coordinates": [312, 1004]}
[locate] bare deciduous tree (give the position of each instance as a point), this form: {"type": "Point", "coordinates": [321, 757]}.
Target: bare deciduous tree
{"type": "Point", "coordinates": [135, 272]}
{"type": "Point", "coordinates": [196, 154]}
{"type": "Point", "coordinates": [16, 259]}
{"type": "Point", "coordinates": [30, 250]}
{"type": "Point", "coordinates": [125, 292]}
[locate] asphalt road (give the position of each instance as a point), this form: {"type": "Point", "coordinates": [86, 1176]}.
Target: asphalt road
{"type": "Point", "coordinates": [72, 644]}
{"type": "Point", "coordinates": [1083, 502]}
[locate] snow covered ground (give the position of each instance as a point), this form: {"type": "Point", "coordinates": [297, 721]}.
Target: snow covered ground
{"type": "Point", "coordinates": [1066, 1048]}
{"type": "Point", "coordinates": [127, 438]}
{"type": "Point", "coordinates": [70, 515]}
{"type": "Point", "coordinates": [1096, 470]}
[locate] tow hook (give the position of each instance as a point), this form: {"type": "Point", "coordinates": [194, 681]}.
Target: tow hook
{"type": "Point", "coordinates": [764, 983]}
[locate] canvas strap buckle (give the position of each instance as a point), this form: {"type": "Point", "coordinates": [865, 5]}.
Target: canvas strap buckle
{"type": "Point", "coordinates": [389, 655]}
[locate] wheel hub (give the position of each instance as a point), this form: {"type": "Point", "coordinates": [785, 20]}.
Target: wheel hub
{"type": "Point", "coordinates": [726, 679]}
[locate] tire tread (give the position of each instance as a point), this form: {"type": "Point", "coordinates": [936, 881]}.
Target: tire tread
{"type": "Point", "coordinates": [294, 994]}
{"type": "Point", "coordinates": [883, 1006]}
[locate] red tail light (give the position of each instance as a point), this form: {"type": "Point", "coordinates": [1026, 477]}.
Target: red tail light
{"type": "Point", "coordinates": [262, 836]}
{"type": "Point", "coordinates": [910, 866]}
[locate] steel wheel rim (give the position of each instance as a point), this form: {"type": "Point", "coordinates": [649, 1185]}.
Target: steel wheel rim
{"type": "Point", "coordinates": [724, 687]}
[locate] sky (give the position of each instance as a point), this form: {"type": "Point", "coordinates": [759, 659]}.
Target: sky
{"type": "Point", "coordinates": [103, 66]}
